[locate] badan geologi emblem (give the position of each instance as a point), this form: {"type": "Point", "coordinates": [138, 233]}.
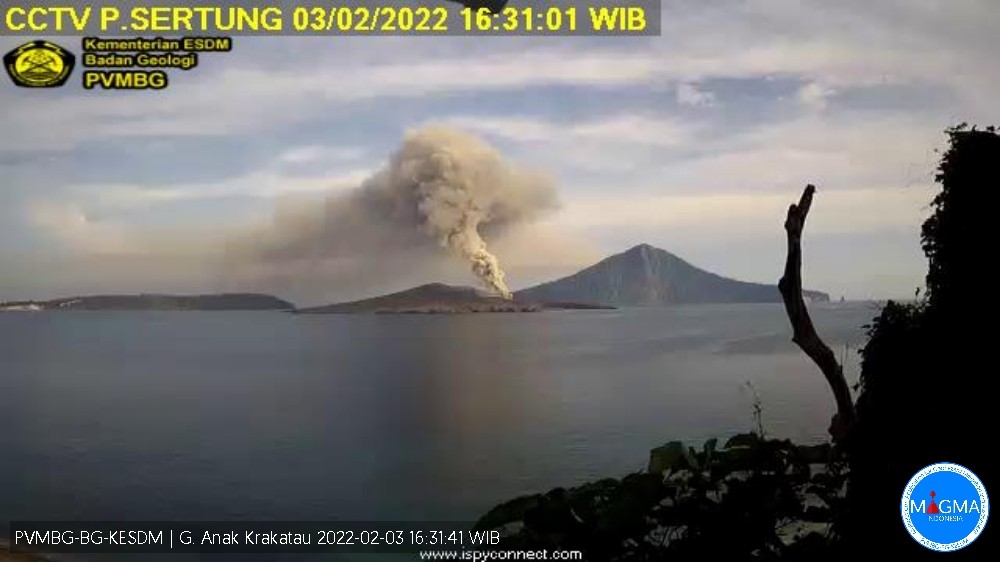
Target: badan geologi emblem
{"type": "Point", "coordinates": [39, 64]}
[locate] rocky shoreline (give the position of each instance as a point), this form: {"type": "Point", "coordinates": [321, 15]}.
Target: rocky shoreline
{"type": "Point", "coordinates": [752, 497]}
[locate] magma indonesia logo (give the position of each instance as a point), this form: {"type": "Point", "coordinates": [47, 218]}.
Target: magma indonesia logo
{"type": "Point", "coordinates": [945, 507]}
{"type": "Point", "coordinates": [39, 64]}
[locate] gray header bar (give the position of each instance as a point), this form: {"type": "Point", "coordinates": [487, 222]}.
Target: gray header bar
{"type": "Point", "coordinates": [330, 18]}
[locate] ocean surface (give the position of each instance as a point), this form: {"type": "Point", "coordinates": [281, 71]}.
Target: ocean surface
{"type": "Point", "coordinates": [272, 416]}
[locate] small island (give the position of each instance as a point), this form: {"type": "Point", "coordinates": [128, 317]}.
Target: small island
{"type": "Point", "coordinates": [214, 302]}
{"type": "Point", "coordinates": [438, 298]}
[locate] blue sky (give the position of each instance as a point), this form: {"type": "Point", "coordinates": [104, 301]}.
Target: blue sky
{"type": "Point", "coordinates": [694, 141]}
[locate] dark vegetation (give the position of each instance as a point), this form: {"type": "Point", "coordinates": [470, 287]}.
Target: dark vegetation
{"type": "Point", "coordinates": [753, 498]}
{"type": "Point", "coordinates": [923, 397]}
{"type": "Point", "coordinates": [924, 394]}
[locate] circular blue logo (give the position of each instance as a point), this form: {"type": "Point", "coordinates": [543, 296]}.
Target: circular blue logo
{"type": "Point", "coordinates": [945, 507]}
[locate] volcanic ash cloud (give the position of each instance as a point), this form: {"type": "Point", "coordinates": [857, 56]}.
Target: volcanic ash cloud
{"type": "Point", "coordinates": [453, 186]}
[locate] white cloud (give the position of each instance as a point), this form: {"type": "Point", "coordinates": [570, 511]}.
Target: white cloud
{"type": "Point", "coordinates": [837, 46]}
{"type": "Point", "coordinates": [610, 143]}
{"type": "Point", "coordinates": [657, 154]}
{"type": "Point", "coordinates": [259, 184]}
{"type": "Point", "coordinates": [514, 128]}
{"type": "Point", "coordinates": [735, 214]}
{"type": "Point", "coordinates": [691, 95]}
{"type": "Point", "coordinates": [649, 130]}
{"type": "Point", "coordinates": [309, 154]}
{"type": "Point", "coordinates": [814, 96]}
{"type": "Point", "coordinates": [337, 169]}
{"type": "Point", "coordinates": [673, 172]}
{"type": "Point", "coordinates": [72, 228]}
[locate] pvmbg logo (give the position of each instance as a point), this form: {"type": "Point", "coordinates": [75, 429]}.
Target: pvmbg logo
{"type": "Point", "coordinates": [39, 64]}
{"type": "Point", "coordinates": [945, 507]}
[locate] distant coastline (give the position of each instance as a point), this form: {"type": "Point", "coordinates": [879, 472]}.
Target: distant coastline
{"type": "Point", "coordinates": [217, 302]}
{"type": "Point", "coordinates": [643, 276]}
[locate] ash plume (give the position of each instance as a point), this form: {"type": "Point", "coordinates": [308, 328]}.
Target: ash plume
{"type": "Point", "coordinates": [453, 183]}
{"type": "Point", "coordinates": [440, 188]}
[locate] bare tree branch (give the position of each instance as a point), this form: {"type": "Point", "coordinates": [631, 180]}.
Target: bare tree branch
{"type": "Point", "coordinates": [803, 332]}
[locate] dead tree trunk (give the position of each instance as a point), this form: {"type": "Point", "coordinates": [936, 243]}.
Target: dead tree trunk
{"type": "Point", "coordinates": [803, 332]}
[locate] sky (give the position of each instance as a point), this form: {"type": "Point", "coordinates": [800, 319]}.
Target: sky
{"type": "Point", "coordinates": [694, 141]}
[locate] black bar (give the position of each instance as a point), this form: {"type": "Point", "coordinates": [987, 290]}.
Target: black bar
{"type": "Point", "coordinates": [246, 537]}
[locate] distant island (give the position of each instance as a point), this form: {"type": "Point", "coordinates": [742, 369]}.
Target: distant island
{"type": "Point", "coordinates": [640, 276]}
{"type": "Point", "coordinates": [217, 302]}
{"type": "Point", "coordinates": [648, 276]}
{"type": "Point", "coordinates": [438, 298]}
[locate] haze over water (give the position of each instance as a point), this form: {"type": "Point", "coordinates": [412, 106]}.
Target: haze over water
{"type": "Point", "coordinates": [271, 416]}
